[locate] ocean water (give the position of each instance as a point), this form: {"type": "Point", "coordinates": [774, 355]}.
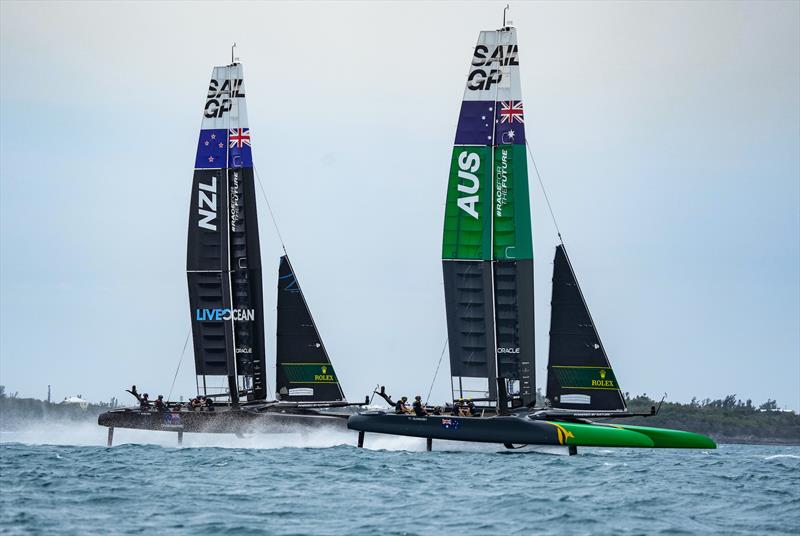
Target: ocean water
{"type": "Point", "coordinates": [64, 480]}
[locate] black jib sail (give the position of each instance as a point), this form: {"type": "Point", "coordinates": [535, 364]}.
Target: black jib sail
{"type": "Point", "coordinates": [223, 257]}
{"type": "Point", "coordinates": [487, 248]}
{"type": "Point", "coordinates": [304, 370]}
{"type": "Point", "coordinates": [579, 375]}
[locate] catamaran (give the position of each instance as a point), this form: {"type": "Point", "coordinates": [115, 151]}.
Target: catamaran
{"type": "Point", "coordinates": [223, 269]}
{"type": "Point", "coordinates": [487, 259]}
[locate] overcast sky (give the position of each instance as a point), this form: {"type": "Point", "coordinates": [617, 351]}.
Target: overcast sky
{"type": "Point", "coordinates": [667, 134]}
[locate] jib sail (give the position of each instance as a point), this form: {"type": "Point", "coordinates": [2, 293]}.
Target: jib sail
{"type": "Point", "coordinates": [487, 250]}
{"type": "Point", "coordinates": [223, 257]}
{"type": "Point", "coordinates": [579, 375]}
{"type": "Point", "coordinates": [304, 370]}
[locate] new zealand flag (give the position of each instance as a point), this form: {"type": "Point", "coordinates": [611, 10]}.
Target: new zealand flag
{"type": "Point", "coordinates": [212, 148]}
{"type": "Point", "coordinates": [476, 120]}
{"type": "Point", "coordinates": [215, 144]}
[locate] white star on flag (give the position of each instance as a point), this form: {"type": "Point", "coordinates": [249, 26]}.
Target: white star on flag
{"type": "Point", "coordinates": [210, 158]}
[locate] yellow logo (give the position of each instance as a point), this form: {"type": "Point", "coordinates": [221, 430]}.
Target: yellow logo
{"type": "Point", "coordinates": [324, 377]}
{"type": "Point", "coordinates": [325, 370]}
{"type": "Point", "coordinates": [603, 382]}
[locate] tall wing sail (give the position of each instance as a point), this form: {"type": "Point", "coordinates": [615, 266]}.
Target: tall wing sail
{"type": "Point", "coordinates": [579, 375]}
{"type": "Point", "coordinates": [223, 261]}
{"type": "Point", "coordinates": [304, 370]}
{"type": "Point", "coordinates": [487, 249]}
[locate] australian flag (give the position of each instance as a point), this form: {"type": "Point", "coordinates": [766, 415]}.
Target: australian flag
{"type": "Point", "coordinates": [451, 424]}
{"type": "Point", "coordinates": [478, 118]}
{"type": "Point", "coordinates": [214, 145]}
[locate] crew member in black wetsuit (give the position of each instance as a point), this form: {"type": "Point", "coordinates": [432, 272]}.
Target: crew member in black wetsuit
{"type": "Point", "coordinates": [456, 407]}
{"type": "Point", "coordinates": [159, 403]}
{"type": "Point", "coordinates": [473, 411]}
{"type": "Point", "coordinates": [144, 403]}
{"type": "Point", "coordinates": [209, 404]}
{"type": "Point", "coordinates": [400, 408]}
{"type": "Point", "coordinates": [135, 393]}
{"type": "Point", "coordinates": [419, 409]}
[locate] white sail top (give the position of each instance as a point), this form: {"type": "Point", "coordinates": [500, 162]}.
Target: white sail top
{"type": "Point", "coordinates": [225, 104]}
{"type": "Point", "coordinates": [494, 72]}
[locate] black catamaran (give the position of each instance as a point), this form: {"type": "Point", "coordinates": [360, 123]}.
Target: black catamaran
{"type": "Point", "coordinates": [487, 258]}
{"type": "Point", "coordinates": [223, 266]}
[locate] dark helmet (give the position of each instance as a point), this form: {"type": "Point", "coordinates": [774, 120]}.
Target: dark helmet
{"type": "Point", "coordinates": [160, 397]}
{"type": "Point", "coordinates": [417, 397]}
{"type": "Point", "coordinates": [404, 398]}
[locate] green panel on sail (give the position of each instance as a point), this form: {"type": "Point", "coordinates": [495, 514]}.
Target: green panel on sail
{"type": "Point", "coordinates": [467, 229]}
{"type": "Point", "coordinates": [512, 211]}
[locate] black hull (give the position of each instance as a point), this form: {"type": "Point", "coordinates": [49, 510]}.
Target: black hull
{"type": "Point", "coordinates": [501, 429]}
{"type": "Point", "coordinates": [228, 421]}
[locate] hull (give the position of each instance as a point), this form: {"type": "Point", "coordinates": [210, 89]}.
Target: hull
{"type": "Point", "coordinates": [520, 429]}
{"type": "Point", "coordinates": [235, 421]}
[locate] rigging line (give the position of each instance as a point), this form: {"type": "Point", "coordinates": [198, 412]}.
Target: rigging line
{"type": "Point", "coordinates": [544, 191]}
{"type": "Point", "coordinates": [437, 372]}
{"type": "Point", "coordinates": [269, 208]}
{"type": "Point", "coordinates": [180, 361]}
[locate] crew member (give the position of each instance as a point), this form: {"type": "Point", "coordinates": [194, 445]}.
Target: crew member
{"type": "Point", "coordinates": [209, 404]}
{"type": "Point", "coordinates": [473, 411]}
{"type": "Point", "coordinates": [144, 402]}
{"type": "Point", "coordinates": [159, 403]}
{"type": "Point", "coordinates": [456, 410]}
{"type": "Point", "coordinates": [419, 409]}
{"type": "Point", "coordinates": [400, 408]}
{"type": "Point", "coordinates": [133, 391]}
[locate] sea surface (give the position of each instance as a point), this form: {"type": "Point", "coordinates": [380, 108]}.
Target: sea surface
{"type": "Point", "coordinates": [64, 480]}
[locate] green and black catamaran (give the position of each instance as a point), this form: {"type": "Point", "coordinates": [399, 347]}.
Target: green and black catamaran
{"type": "Point", "coordinates": [226, 301]}
{"type": "Point", "coordinates": [487, 259]}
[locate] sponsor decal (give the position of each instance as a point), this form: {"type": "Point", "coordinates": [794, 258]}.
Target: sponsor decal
{"type": "Point", "coordinates": [582, 377]}
{"type": "Point", "coordinates": [486, 63]}
{"type": "Point", "coordinates": [603, 382]}
{"type": "Point", "coordinates": [451, 424]}
{"type": "Point", "coordinates": [508, 350]}
{"type": "Point", "coordinates": [207, 204]}
{"type": "Point", "coordinates": [172, 419]}
{"type": "Point", "coordinates": [234, 200]}
{"type": "Point", "coordinates": [468, 164]}
{"type": "Point", "coordinates": [244, 350]}
{"type": "Point", "coordinates": [220, 97]}
{"type": "Point", "coordinates": [501, 183]}
{"type": "Point", "coordinates": [225, 314]}
{"type": "Point", "coordinates": [308, 373]}
{"type": "Point", "coordinates": [324, 376]}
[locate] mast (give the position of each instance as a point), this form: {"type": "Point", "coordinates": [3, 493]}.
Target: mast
{"type": "Point", "coordinates": [487, 250]}
{"type": "Point", "coordinates": [223, 253]}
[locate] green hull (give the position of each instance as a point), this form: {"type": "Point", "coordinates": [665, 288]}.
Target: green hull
{"type": "Point", "coordinates": [615, 435]}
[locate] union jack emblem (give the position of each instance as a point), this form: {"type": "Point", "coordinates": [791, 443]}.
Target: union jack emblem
{"type": "Point", "coordinates": [239, 137]}
{"type": "Point", "coordinates": [511, 111]}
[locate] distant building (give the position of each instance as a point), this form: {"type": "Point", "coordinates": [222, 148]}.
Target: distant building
{"type": "Point", "coordinates": [76, 400]}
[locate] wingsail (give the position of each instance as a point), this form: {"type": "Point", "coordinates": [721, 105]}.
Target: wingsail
{"type": "Point", "coordinates": [223, 262]}
{"type": "Point", "coordinates": [487, 247]}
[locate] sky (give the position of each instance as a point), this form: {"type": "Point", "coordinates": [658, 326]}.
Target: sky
{"type": "Point", "coordinates": [667, 136]}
